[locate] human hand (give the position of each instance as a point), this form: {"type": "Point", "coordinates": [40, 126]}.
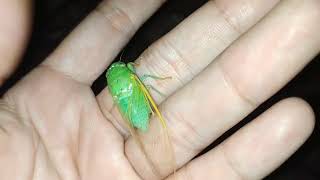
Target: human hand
{"type": "Point", "coordinates": [53, 127]}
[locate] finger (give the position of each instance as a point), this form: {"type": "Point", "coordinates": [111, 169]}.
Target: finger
{"type": "Point", "coordinates": [14, 25]}
{"type": "Point", "coordinates": [246, 74]}
{"type": "Point", "coordinates": [189, 48]}
{"type": "Point", "coordinates": [258, 148]}
{"type": "Point", "coordinates": [87, 51]}
{"type": "Point", "coordinates": [180, 57]}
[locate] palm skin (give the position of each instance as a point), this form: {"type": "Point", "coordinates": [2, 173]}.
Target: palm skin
{"type": "Point", "coordinates": [68, 134]}
{"type": "Point", "coordinates": [52, 126]}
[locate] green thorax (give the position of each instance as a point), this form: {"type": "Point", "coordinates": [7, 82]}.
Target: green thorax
{"type": "Point", "coordinates": [128, 95]}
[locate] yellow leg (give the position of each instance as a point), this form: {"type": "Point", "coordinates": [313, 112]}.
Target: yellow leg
{"type": "Point", "coordinates": [146, 76]}
{"type": "Point", "coordinates": [156, 90]}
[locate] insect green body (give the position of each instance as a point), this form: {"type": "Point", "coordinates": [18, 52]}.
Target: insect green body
{"type": "Point", "coordinates": [127, 93]}
{"type": "Point", "coordinates": [136, 105]}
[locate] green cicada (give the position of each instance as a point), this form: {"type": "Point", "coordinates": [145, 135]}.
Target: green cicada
{"type": "Point", "coordinates": [131, 96]}
{"type": "Point", "coordinates": [134, 101]}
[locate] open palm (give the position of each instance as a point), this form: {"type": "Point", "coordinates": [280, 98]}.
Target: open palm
{"type": "Point", "coordinates": [223, 63]}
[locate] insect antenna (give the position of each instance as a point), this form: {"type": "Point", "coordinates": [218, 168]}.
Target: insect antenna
{"type": "Point", "coordinates": [121, 56]}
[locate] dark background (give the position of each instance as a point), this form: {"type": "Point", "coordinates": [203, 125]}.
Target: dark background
{"type": "Point", "coordinates": [54, 19]}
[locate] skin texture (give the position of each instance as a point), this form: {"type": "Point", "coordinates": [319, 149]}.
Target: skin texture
{"type": "Point", "coordinates": [15, 16]}
{"type": "Point", "coordinates": [54, 127]}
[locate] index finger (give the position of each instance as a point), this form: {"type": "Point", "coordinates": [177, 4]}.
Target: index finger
{"type": "Point", "coordinates": [87, 51]}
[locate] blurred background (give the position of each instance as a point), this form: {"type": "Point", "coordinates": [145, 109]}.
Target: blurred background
{"type": "Point", "coordinates": [54, 19]}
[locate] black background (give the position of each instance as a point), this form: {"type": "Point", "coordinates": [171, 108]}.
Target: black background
{"type": "Point", "coordinates": [54, 19]}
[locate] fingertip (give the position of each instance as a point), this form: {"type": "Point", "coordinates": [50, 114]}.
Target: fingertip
{"type": "Point", "coordinates": [269, 140]}
{"type": "Point", "coordinates": [297, 120]}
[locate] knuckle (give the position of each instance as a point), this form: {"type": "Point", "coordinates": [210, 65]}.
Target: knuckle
{"type": "Point", "coordinates": [231, 22]}
{"type": "Point", "coordinates": [233, 166]}
{"type": "Point", "coordinates": [116, 17]}
{"type": "Point", "coordinates": [239, 92]}
{"type": "Point", "coordinates": [165, 58]}
{"type": "Point", "coordinates": [186, 136]}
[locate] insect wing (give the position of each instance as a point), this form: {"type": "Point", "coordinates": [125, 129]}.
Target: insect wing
{"type": "Point", "coordinates": [159, 142]}
{"type": "Point", "coordinates": [138, 108]}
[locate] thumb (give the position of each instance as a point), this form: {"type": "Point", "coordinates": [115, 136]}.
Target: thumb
{"type": "Point", "coordinates": [14, 30]}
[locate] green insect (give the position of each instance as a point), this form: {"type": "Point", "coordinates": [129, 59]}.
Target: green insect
{"type": "Point", "coordinates": [132, 97]}
{"type": "Point", "coordinates": [135, 102]}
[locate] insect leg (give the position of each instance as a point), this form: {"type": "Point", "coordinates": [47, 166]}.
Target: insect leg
{"type": "Point", "coordinates": [146, 76]}
{"type": "Point", "coordinates": [147, 101]}
{"type": "Point", "coordinates": [150, 87]}
{"type": "Point", "coordinates": [113, 106]}
{"type": "Point", "coordinates": [132, 65]}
